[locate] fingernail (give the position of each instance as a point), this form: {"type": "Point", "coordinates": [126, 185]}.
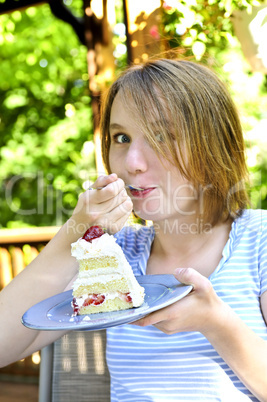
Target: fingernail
{"type": "Point", "coordinates": [179, 271]}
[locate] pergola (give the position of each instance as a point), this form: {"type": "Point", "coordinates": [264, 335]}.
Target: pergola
{"type": "Point", "coordinates": [94, 31]}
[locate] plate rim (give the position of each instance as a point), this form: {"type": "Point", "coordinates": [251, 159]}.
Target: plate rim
{"type": "Point", "coordinates": [166, 280]}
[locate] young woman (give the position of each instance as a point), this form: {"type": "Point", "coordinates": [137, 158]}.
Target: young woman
{"type": "Point", "coordinates": [171, 129]}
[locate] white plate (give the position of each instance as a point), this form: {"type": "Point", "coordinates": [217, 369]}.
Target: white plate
{"type": "Point", "coordinates": [56, 313]}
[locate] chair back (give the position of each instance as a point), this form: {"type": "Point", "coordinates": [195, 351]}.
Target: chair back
{"type": "Point", "coordinates": [74, 369]}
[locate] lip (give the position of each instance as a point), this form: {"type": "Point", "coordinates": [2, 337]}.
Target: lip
{"type": "Point", "coordinates": [142, 193]}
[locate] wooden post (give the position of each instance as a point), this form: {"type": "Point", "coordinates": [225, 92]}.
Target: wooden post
{"type": "Point", "coordinates": [250, 29]}
{"type": "Point", "coordinates": [142, 20]}
{"type": "Point", "coordinates": [100, 60]}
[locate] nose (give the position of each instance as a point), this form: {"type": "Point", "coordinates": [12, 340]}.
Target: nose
{"type": "Point", "coordinates": [136, 157]}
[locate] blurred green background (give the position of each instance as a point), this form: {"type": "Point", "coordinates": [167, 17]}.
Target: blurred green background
{"type": "Point", "coordinates": [46, 132]}
{"type": "Point", "coordinates": [46, 135]}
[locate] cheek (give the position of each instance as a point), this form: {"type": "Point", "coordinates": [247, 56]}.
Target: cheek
{"type": "Point", "coordinates": [114, 162]}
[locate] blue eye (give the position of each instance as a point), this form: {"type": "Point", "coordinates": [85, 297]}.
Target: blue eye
{"type": "Point", "coordinates": [121, 138]}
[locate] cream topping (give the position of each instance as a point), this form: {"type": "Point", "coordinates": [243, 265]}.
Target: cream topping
{"type": "Point", "coordinates": [104, 245]}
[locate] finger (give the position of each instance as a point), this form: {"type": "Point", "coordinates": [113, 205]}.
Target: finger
{"type": "Point", "coordinates": [150, 319]}
{"type": "Point", "coordinates": [103, 180]}
{"type": "Point", "coordinates": [94, 199]}
{"type": "Point", "coordinates": [120, 202]}
{"type": "Point", "coordinates": [123, 211]}
{"type": "Point", "coordinates": [164, 314]}
{"type": "Point", "coordinates": [108, 192]}
{"type": "Point", "coordinates": [115, 210]}
{"type": "Point", "coordinates": [115, 219]}
{"type": "Point", "coordinates": [187, 276]}
{"type": "Point", "coordinates": [190, 276]}
{"type": "Point", "coordinates": [115, 227]}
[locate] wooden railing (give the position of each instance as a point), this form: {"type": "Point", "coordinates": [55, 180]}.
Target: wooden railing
{"type": "Point", "coordinates": [18, 247]}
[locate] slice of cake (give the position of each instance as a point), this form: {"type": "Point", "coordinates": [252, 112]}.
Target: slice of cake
{"type": "Point", "coordinates": [105, 280]}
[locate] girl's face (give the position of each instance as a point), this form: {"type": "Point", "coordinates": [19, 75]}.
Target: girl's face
{"type": "Point", "coordinates": [165, 193]}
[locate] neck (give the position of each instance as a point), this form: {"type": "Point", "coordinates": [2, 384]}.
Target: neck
{"type": "Point", "coordinates": [186, 235]}
{"type": "Point", "coordinates": [183, 227]}
{"type": "Point", "coordinates": [198, 249]}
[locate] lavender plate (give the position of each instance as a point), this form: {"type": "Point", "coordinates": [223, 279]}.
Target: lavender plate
{"type": "Point", "coordinates": [55, 313]}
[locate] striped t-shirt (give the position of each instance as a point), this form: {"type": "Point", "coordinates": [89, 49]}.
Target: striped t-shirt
{"type": "Point", "coordinates": [147, 365]}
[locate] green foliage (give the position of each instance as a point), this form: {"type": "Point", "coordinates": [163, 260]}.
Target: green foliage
{"type": "Point", "coordinates": [46, 134]}
{"type": "Point", "coordinates": [46, 122]}
{"type": "Point", "coordinates": [250, 95]}
{"type": "Point", "coordinates": [196, 26]}
{"type": "Point", "coordinates": [203, 30]}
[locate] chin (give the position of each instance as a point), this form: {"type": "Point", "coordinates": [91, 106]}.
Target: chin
{"type": "Point", "coordinates": [150, 216]}
{"type": "Point", "coordinates": [148, 210]}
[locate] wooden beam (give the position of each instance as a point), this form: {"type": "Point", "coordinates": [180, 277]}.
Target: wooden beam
{"type": "Point", "coordinates": [63, 13]}
{"type": "Point", "coordinates": [27, 235]}
{"type": "Point", "coordinates": [11, 5]}
{"type": "Point", "coordinates": [57, 7]}
{"type": "Point", "coordinates": [101, 65]}
{"type": "Point", "coordinates": [126, 22]}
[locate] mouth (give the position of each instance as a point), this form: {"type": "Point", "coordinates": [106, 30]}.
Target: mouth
{"type": "Point", "coordinates": [140, 192]}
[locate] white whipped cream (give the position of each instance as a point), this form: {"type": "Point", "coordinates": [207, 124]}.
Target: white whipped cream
{"type": "Point", "coordinates": [101, 246]}
{"type": "Point", "coordinates": [108, 296]}
{"type": "Point", "coordinates": [84, 280]}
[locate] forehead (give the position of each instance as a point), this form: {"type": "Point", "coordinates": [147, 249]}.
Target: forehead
{"type": "Point", "coordinates": [140, 111]}
{"type": "Point", "coordinates": [122, 114]}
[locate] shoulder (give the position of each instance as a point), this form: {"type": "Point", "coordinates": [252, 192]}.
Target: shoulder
{"type": "Point", "coordinates": [254, 220]}
{"type": "Point", "coordinates": [135, 237]}
{"type": "Point", "coordinates": [250, 230]}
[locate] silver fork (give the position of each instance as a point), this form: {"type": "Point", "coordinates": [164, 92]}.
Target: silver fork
{"type": "Point", "coordinates": [127, 186]}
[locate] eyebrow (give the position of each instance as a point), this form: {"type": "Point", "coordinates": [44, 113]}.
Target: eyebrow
{"type": "Point", "coordinates": [116, 126]}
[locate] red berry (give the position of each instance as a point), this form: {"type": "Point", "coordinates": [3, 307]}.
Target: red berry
{"type": "Point", "coordinates": [75, 306]}
{"type": "Point", "coordinates": [99, 300]}
{"type": "Point", "coordinates": [93, 233]}
{"type": "Point", "coordinates": [128, 298]}
{"type": "Point", "coordinates": [94, 299]}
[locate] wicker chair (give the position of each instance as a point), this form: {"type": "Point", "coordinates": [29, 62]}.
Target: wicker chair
{"type": "Point", "coordinates": [74, 369]}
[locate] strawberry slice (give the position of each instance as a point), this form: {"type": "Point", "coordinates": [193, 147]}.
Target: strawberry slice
{"type": "Point", "coordinates": [75, 306]}
{"type": "Point", "coordinates": [93, 233]}
{"type": "Point", "coordinates": [128, 298]}
{"type": "Point", "coordinates": [94, 299]}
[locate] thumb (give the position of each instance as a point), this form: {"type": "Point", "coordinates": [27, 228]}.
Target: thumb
{"type": "Point", "coordinates": [104, 180]}
{"type": "Point", "coordinates": [185, 275]}
{"type": "Point", "coordinates": [188, 276]}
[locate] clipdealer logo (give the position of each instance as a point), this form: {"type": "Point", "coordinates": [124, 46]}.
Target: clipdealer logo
{"type": "Point", "coordinates": [46, 197]}
{"type": "Point", "coordinates": [49, 199]}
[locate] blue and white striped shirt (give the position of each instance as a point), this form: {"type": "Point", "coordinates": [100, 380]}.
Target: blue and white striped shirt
{"type": "Point", "coordinates": [147, 365]}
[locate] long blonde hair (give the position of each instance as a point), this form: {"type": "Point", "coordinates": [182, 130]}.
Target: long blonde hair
{"type": "Point", "coordinates": [193, 108]}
